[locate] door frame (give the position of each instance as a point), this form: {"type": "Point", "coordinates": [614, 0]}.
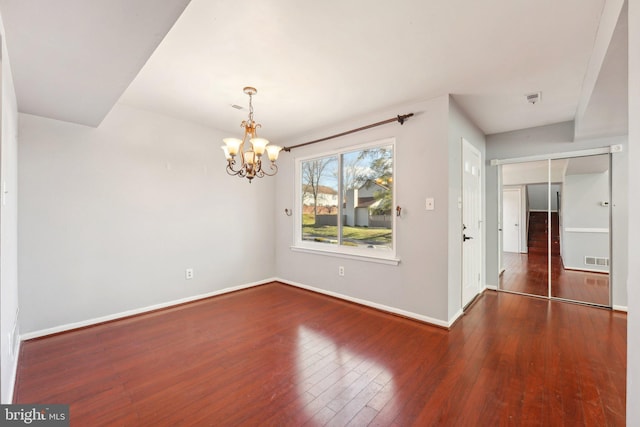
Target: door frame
{"type": "Point", "coordinates": [479, 241]}
{"type": "Point", "coordinates": [610, 150]}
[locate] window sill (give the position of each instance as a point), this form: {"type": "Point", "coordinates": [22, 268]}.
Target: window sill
{"type": "Point", "coordinates": [379, 259]}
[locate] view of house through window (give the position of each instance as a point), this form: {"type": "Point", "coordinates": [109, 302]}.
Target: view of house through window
{"type": "Point", "coordinates": [347, 198]}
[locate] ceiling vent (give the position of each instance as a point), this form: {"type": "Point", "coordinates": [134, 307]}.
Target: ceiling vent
{"type": "Point", "coordinates": [532, 98]}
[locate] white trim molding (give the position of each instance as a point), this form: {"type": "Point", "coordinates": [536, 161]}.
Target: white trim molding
{"type": "Point", "coordinates": [381, 307]}
{"type": "Point", "coordinates": [129, 313]}
{"type": "Point", "coordinates": [356, 256]}
{"type": "Point", "coordinates": [586, 230]}
{"type": "Point", "coordinates": [14, 373]}
{"type": "Point", "coordinates": [590, 270]}
{"type": "Point", "coordinates": [553, 156]}
{"type": "Point", "coordinates": [380, 255]}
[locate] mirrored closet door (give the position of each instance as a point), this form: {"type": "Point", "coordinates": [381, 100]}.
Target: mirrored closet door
{"type": "Point", "coordinates": [580, 258]}
{"type": "Point", "coordinates": [525, 262]}
{"type": "Point", "coordinates": [555, 229]}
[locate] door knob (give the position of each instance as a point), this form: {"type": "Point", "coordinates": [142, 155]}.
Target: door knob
{"type": "Point", "coordinates": [465, 238]}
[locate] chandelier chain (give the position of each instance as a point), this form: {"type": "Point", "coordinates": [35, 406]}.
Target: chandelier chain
{"type": "Point", "coordinates": [250, 107]}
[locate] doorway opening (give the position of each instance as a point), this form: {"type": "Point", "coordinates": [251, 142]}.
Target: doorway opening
{"type": "Point", "coordinates": [555, 229]}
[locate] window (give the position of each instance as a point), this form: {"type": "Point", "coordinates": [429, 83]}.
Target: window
{"type": "Point", "coordinates": [346, 202]}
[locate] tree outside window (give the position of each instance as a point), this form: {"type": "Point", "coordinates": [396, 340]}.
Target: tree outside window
{"type": "Point", "coordinates": [347, 199]}
{"type": "Point", "coordinates": [320, 200]}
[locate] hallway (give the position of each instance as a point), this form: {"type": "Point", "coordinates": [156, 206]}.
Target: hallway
{"type": "Point", "coordinates": [527, 273]}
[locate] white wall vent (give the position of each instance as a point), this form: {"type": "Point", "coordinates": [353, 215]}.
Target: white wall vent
{"type": "Point", "coordinates": [599, 261]}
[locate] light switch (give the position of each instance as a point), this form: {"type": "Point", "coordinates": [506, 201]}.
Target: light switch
{"type": "Point", "coordinates": [430, 204]}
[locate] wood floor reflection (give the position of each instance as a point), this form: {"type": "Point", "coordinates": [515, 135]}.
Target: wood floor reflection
{"type": "Point", "coordinates": [276, 355]}
{"type": "Point", "coordinates": [527, 273]}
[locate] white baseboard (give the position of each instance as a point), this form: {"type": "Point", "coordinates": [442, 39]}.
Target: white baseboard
{"type": "Point", "coordinates": [375, 305]}
{"type": "Point", "coordinates": [455, 317]}
{"type": "Point", "coordinates": [14, 372]}
{"type": "Point", "coordinates": [129, 313]}
{"type": "Point", "coordinates": [620, 308]}
{"type": "Point", "coordinates": [12, 377]}
{"type": "Point", "coordinates": [492, 287]}
{"type": "Point", "coordinates": [590, 270]}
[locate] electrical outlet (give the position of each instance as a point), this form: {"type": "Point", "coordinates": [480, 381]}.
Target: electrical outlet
{"type": "Point", "coordinates": [188, 273]}
{"type": "Point", "coordinates": [429, 204]}
{"type": "Point", "coordinates": [341, 271]}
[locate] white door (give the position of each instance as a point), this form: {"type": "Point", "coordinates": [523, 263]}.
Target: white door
{"type": "Point", "coordinates": [471, 222]}
{"type": "Point", "coordinates": [511, 215]}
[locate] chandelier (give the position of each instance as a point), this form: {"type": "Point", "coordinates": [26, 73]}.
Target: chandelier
{"type": "Point", "coordinates": [244, 161]}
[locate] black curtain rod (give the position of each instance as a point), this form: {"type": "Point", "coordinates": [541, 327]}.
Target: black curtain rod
{"type": "Point", "coordinates": [400, 119]}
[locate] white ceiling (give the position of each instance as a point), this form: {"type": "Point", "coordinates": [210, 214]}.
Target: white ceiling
{"type": "Point", "coordinates": [315, 63]}
{"type": "Point", "coordinates": [607, 111]}
{"type": "Point", "coordinates": [588, 165]}
{"type": "Point", "coordinates": [534, 172]}
{"type": "Point", "coordinates": [72, 59]}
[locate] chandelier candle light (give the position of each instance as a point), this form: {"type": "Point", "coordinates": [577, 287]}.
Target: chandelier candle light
{"type": "Point", "coordinates": [250, 161]}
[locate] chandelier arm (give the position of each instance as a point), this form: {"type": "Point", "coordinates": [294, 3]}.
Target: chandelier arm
{"type": "Point", "coordinates": [231, 171]}
{"type": "Point", "coordinates": [273, 167]}
{"type": "Point", "coordinates": [258, 169]}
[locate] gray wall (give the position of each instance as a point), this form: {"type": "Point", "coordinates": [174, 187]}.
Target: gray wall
{"type": "Point", "coordinates": [538, 195]}
{"type": "Point", "coordinates": [111, 217]}
{"type": "Point", "coordinates": [460, 126]}
{"type": "Point", "coordinates": [558, 139]}
{"type": "Point", "coordinates": [633, 248]}
{"type": "Point", "coordinates": [427, 280]}
{"type": "Point", "coordinates": [419, 283]}
{"type": "Point", "coordinates": [581, 200]}
{"type": "Point", "coordinates": [582, 209]}
{"type": "Point", "coordinates": [8, 228]}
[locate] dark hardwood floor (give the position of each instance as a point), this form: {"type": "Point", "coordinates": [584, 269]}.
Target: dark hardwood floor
{"type": "Point", "coordinates": [527, 273]}
{"type": "Point", "coordinates": [276, 355]}
{"type": "Point", "coordinates": [524, 273]}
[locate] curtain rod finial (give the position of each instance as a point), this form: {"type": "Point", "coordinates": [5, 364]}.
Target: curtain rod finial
{"type": "Point", "coordinates": [402, 118]}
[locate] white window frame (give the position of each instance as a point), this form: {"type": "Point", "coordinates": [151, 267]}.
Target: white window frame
{"type": "Point", "coordinates": [378, 255]}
